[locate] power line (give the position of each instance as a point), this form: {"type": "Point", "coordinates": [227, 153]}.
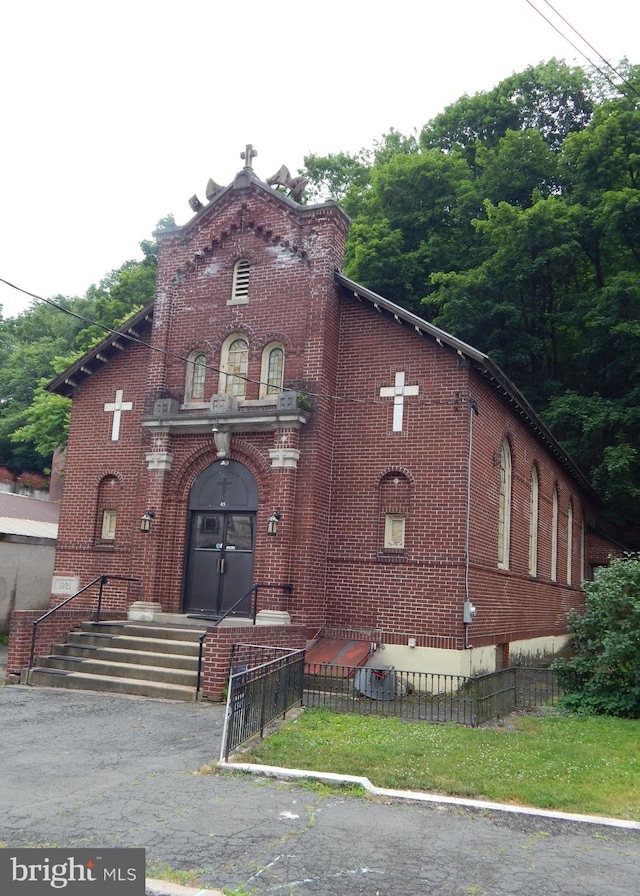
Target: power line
{"type": "Point", "coordinates": [128, 336]}
{"type": "Point", "coordinates": [580, 51]}
{"type": "Point", "coordinates": [591, 47]}
{"type": "Point", "coordinates": [120, 334]}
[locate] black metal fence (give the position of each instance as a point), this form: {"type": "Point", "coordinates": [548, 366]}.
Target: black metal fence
{"type": "Point", "coordinates": [520, 687]}
{"type": "Point", "coordinates": [265, 682]}
{"type": "Point", "coordinates": [422, 696]}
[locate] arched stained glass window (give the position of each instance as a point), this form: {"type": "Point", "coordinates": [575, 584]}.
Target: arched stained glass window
{"type": "Point", "coordinates": [234, 366]}
{"type": "Point", "coordinates": [569, 543]}
{"type": "Point", "coordinates": [533, 523]}
{"type": "Point", "coordinates": [504, 511]}
{"type": "Point", "coordinates": [554, 535]}
{"type": "Point", "coordinates": [196, 373]}
{"type": "Point", "coordinates": [272, 375]}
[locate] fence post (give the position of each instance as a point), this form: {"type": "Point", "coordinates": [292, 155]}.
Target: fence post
{"type": "Point", "coordinates": [262, 708]}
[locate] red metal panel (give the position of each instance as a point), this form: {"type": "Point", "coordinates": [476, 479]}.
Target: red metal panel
{"type": "Point", "coordinates": [338, 652]}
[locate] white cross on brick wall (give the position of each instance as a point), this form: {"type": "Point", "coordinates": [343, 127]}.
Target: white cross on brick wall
{"type": "Point", "coordinates": [117, 407]}
{"type": "Point", "coordinates": [398, 392]}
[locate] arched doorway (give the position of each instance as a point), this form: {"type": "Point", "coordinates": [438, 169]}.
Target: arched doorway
{"type": "Point", "coordinates": [222, 514]}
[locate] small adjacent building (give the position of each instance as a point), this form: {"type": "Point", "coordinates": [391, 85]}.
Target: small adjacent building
{"type": "Point", "coordinates": [28, 534]}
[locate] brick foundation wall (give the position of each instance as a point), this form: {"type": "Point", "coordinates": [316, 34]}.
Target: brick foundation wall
{"type": "Point", "coordinates": [219, 643]}
{"type": "Point", "coordinates": [51, 631]}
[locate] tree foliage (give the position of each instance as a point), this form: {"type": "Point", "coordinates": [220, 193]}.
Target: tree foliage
{"type": "Point", "coordinates": [47, 338]}
{"type": "Point", "coordinates": [513, 222]}
{"type": "Point", "coordinates": [603, 675]}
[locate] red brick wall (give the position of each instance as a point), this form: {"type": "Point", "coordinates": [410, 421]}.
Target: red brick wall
{"type": "Point", "coordinates": [49, 632]}
{"type": "Point", "coordinates": [219, 643]}
{"type": "Point", "coordinates": [419, 592]}
{"type": "Point", "coordinates": [599, 550]}
{"type": "Point", "coordinates": [91, 458]}
{"type": "Point", "coordinates": [341, 352]}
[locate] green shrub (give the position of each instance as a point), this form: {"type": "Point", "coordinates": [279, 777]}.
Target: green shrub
{"type": "Point", "coordinates": [603, 676]}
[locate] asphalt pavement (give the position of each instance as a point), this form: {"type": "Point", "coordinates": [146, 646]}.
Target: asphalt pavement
{"type": "Point", "coordinates": [88, 769]}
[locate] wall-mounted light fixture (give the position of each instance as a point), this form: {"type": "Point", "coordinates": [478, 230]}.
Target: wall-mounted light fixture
{"type": "Point", "coordinates": [272, 522]}
{"type": "Point", "coordinates": [145, 520]}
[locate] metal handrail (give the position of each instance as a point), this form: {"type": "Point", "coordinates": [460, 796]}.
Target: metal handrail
{"type": "Point", "coordinates": [103, 579]}
{"type": "Point", "coordinates": [288, 588]}
{"type": "Point", "coordinates": [203, 635]}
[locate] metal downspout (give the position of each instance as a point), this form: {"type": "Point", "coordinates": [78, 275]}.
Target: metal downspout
{"type": "Point", "coordinates": [473, 411]}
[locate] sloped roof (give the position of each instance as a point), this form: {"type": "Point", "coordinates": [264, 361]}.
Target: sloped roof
{"type": "Point", "coordinates": [20, 515]}
{"type": "Point", "coordinates": [482, 364]}
{"type": "Point", "coordinates": [132, 330]}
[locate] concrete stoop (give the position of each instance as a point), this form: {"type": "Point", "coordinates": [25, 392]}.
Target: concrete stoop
{"type": "Point", "coordinates": [125, 658]}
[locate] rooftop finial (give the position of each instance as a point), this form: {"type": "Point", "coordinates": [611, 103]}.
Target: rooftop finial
{"type": "Point", "coordinates": [248, 155]}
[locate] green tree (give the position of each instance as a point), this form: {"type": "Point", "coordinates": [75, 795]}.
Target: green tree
{"type": "Point", "coordinates": [119, 294]}
{"type": "Point", "coordinates": [339, 176]}
{"type": "Point", "coordinates": [521, 167]}
{"type": "Point", "coordinates": [27, 359]}
{"type": "Point", "coordinates": [551, 98]}
{"type": "Point", "coordinates": [40, 343]}
{"type": "Point", "coordinates": [603, 675]}
{"type": "Point", "coordinates": [46, 419]}
{"type": "Point", "coordinates": [415, 219]}
{"type": "Point", "coordinates": [525, 287]}
{"type": "Point", "coordinates": [513, 223]}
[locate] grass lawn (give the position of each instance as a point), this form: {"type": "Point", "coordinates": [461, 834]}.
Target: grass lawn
{"type": "Point", "coordinates": [588, 765]}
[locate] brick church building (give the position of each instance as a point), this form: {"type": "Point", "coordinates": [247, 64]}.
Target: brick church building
{"type": "Point", "coordinates": [267, 420]}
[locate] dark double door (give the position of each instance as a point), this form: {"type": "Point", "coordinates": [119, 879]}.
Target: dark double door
{"type": "Point", "coordinates": [222, 516]}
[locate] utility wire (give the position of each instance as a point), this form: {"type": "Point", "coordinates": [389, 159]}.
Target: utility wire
{"type": "Point", "coordinates": [120, 334]}
{"type": "Point", "coordinates": [577, 49]}
{"type": "Point", "coordinates": [128, 336]}
{"type": "Point", "coordinates": [591, 47]}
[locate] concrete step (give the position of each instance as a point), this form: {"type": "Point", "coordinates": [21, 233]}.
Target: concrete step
{"type": "Point", "coordinates": [145, 630]}
{"type": "Point", "coordinates": [57, 678]}
{"type": "Point", "coordinates": [126, 658]}
{"type": "Point", "coordinates": [131, 642]}
{"type": "Point", "coordinates": [121, 655]}
{"type": "Point", "coordinates": [109, 669]}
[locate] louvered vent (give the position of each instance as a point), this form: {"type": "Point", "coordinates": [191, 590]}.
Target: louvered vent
{"type": "Point", "coordinates": [241, 281]}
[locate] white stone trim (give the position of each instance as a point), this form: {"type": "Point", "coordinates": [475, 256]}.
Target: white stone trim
{"type": "Point", "coordinates": [159, 460]}
{"type": "Point", "coordinates": [284, 458]}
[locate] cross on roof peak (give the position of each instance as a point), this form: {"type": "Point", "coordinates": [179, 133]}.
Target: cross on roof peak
{"type": "Point", "coordinates": [248, 155]}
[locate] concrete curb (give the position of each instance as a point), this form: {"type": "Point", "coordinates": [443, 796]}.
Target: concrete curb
{"type": "Point", "coordinates": [296, 774]}
{"type": "Point", "coordinates": [164, 888]}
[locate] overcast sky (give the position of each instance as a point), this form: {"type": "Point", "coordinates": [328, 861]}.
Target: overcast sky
{"type": "Point", "coordinates": [114, 114]}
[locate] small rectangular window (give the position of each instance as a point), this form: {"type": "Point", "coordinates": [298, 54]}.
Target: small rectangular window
{"type": "Point", "coordinates": [394, 530]}
{"type": "Point", "coordinates": [109, 518]}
